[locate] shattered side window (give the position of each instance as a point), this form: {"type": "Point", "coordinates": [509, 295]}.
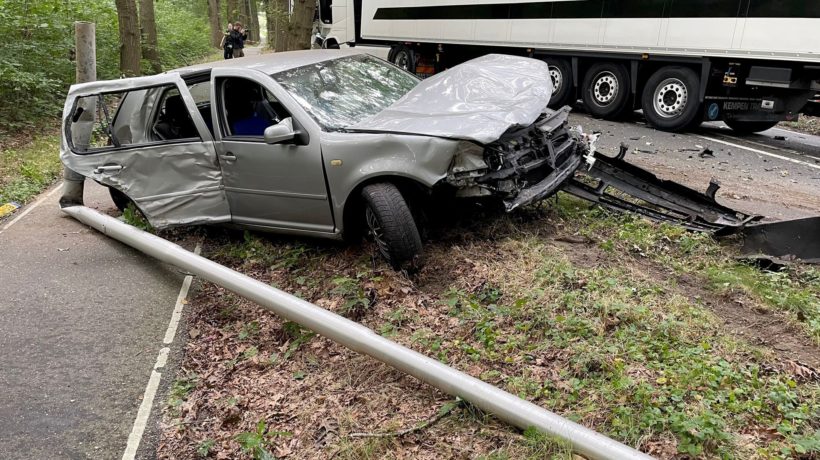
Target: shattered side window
{"type": "Point", "coordinates": [343, 92]}
{"type": "Point", "coordinates": [129, 118]}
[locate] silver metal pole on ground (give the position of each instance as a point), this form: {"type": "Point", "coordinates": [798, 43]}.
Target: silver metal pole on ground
{"type": "Point", "coordinates": [86, 52]}
{"type": "Point", "coordinates": [503, 405]}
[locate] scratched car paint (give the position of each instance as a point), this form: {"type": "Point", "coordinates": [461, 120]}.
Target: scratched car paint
{"type": "Point", "coordinates": [321, 143]}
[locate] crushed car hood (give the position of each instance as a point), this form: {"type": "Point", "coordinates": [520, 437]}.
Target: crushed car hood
{"type": "Point", "coordinates": [478, 100]}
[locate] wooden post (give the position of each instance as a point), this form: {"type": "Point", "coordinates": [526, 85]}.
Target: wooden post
{"type": "Point", "coordinates": [85, 43]}
{"type": "Point", "coordinates": [86, 52]}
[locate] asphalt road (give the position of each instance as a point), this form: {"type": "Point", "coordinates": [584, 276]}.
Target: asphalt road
{"type": "Point", "coordinates": [775, 174]}
{"type": "Point", "coordinates": [83, 319]}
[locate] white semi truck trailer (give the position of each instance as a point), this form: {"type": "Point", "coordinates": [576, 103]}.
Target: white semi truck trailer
{"type": "Point", "coordinates": [750, 63]}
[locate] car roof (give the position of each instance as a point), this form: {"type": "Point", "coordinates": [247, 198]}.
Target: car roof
{"type": "Point", "coordinates": [271, 63]}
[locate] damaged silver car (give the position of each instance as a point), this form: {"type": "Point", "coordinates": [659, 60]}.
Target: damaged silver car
{"type": "Point", "coordinates": [321, 143]}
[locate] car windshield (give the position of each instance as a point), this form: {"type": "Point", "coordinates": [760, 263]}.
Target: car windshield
{"type": "Point", "coordinates": [345, 91]}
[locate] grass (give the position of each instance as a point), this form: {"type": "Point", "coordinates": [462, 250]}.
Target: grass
{"type": "Point", "coordinates": [806, 124]}
{"type": "Point", "coordinates": [793, 290]}
{"type": "Point", "coordinates": [604, 334]}
{"type": "Point", "coordinates": [27, 170]}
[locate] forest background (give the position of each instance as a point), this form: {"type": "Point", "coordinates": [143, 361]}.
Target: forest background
{"type": "Point", "coordinates": [133, 37]}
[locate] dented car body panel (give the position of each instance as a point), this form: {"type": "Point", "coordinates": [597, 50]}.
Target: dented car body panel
{"type": "Point", "coordinates": [208, 172]}
{"type": "Point", "coordinates": [185, 185]}
{"type": "Point", "coordinates": [422, 159]}
{"type": "Point", "coordinates": [478, 100]}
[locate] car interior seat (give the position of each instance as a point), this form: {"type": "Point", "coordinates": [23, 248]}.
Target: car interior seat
{"type": "Point", "coordinates": [175, 122]}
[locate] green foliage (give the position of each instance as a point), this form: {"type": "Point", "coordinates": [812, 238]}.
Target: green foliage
{"type": "Point", "coordinates": [297, 336]}
{"type": "Point", "coordinates": [204, 448]}
{"type": "Point", "coordinates": [183, 37]}
{"type": "Point", "coordinates": [180, 390]}
{"type": "Point", "coordinates": [132, 216]}
{"type": "Point", "coordinates": [356, 300]}
{"type": "Point", "coordinates": [25, 172]}
{"type": "Point", "coordinates": [38, 50]}
{"type": "Point", "coordinates": [260, 442]}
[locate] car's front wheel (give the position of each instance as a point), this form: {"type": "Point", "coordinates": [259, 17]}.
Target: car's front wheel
{"type": "Point", "coordinates": [391, 225]}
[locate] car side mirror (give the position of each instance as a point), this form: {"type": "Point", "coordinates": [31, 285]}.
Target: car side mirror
{"type": "Point", "coordinates": [280, 132]}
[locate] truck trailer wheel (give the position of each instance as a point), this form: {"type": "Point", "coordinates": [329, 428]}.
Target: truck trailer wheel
{"type": "Point", "coordinates": [748, 127]}
{"type": "Point", "coordinates": [606, 90]}
{"type": "Point", "coordinates": [670, 98]}
{"type": "Point", "coordinates": [561, 75]}
{"type": "Point", "coordinates": [391, 225]}
{"type": "Point", "coordinates": [404, 58]}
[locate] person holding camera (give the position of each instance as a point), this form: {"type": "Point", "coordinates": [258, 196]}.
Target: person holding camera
{"type": "Point", "coordinates": [238, 37]}
{"type": "Point", "coordinates": [227, 43]}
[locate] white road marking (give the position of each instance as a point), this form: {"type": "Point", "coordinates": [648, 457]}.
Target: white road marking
{"type": "Point", "coordinates": [768, 146]}
{"type": "Point", "coordinates": [761, 152]}
{"type": "Point", "coordinates": [144, 412]}
{"type": "Point", "coordinates": [31, 207]}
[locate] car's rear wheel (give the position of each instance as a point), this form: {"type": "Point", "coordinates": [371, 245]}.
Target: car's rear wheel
{"type": "Point", "coordinates": [121, 200]}
{"type": "Point", "coordinates": [748, 127]}
{"type": "Point", "coordinates": [391, 225]}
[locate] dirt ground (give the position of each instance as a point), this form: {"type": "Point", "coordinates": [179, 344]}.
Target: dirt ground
{"type": "Point", "coordinates": [320, 400]}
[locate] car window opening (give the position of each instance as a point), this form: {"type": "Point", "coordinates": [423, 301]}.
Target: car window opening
{"type": "Point", "coordinates": [173, 121]}
{"type": "Point", "coordinates": [250, 108]}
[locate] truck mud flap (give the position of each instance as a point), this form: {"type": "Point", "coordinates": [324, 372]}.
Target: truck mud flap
{"type": "Point", "coordinates": [621, 186]}
{"type": "Point", "coordinates": [780, 243]}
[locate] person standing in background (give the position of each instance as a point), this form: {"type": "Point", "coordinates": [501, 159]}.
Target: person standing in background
{"type": "Point", "coordinates": [238, 36]}
{"type": "Point", "coordinates": [227, 42]}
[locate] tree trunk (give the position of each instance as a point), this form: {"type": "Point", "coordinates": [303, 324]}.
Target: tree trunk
{"type": "Point", "coordinates": [270, 24]}
{"type": "Point", "coordinates": [216, 23]}
{"type": "Point", "coordinates": [301, 22]}
{"type": "Point", "coordinates": [254, 20]}
{"type": "Point", "coordinates": [233, 11]}
{"type": "Point", "coordinates": [278, 22]}
{"type": "Point", "coordinates": [244, 15]}
{"type": "Point", "coordinates": [148, 29]}
{"type": "Point", "coordinates": [129, 37]}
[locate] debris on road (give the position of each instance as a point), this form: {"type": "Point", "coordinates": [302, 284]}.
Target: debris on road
{"type": "Point", "coordinates": [706, 153]}
{"type": "Point", "coordinates": [783, 242]}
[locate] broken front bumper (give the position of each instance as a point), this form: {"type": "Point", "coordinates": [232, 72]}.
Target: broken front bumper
{"type": "Point", "coordinates": [523, 166]}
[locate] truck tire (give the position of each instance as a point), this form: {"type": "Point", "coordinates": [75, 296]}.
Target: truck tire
{"type": "Point", "coordinates": [391, 225]}
{"type": "Point", "coordinates": [606, 90]}
{"type": "Point", "coordinates": [748, 127]}
{"type": "Point", "coordinates": [561, 74]}
{"type": "Point", "coordinates": [404, 58]}
{"type": "Point", "coordinates": [670, 99]}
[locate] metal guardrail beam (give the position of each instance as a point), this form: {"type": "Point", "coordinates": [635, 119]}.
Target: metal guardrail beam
{"type": "Point", "coordinates": [507, 407]}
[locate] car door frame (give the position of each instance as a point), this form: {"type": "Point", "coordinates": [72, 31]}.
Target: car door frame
{"type": "Point", "coordinates": [191, 192]}
{"type": "Point", "coordinates": [310, 134]}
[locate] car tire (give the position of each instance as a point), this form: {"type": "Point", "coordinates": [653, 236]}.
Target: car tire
{"type": "Point", "coordinates": [404, 58]}
{"type": "Point", "coordinates": [670, 99]}
{"type": "Point", "coordinates": [391, 225]}
{"type": "Point", "coordinates": [121, 200]}
{"type": "Point", "coordinates": [561, 74]}
{"type": "Point", "coordinates": [749, 127]}
{"type": "Point", "coordinates": [606, 90]}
